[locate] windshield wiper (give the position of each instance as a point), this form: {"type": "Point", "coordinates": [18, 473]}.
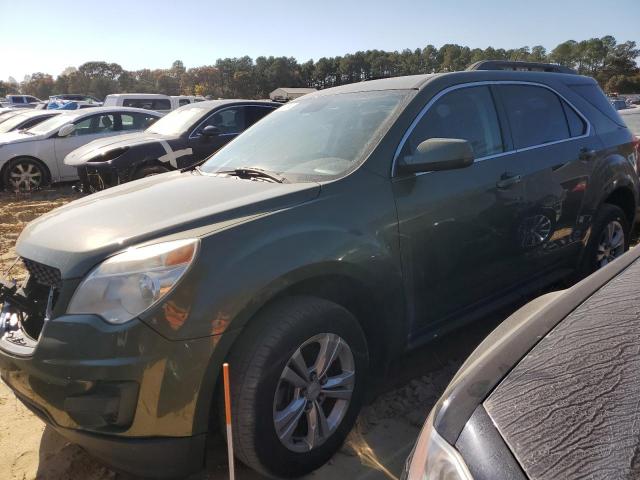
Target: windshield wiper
{"type": "Point", "coordinates": [252, 172]}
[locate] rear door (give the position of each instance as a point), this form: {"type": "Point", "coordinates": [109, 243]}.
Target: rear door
{"type": "Point", "coordinates": [554, 160]}
{"type": "Point", "coordinates": [456, 227]}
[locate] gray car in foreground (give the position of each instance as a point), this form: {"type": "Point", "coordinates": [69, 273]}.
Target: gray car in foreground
{"type": "Point", "coordinates": [552, 393]}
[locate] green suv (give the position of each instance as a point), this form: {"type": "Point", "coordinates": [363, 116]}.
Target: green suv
{"type": "Point", "coordinates": [343, 229]}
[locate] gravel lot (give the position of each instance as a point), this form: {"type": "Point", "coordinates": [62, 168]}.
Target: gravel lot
{"type": "Point", "coordinates": [377, 447]}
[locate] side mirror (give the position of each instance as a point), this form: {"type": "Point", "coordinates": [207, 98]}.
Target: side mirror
{"type": "Point", "coordinates": [438, 154]}
{"type": "Point", "coordinates": [66, 130]}
{"type": "Point", "coordinates": [211, 131]}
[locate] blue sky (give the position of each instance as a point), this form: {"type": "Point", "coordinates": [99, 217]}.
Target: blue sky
{"type": "Point", "coordinates": [50, 35]}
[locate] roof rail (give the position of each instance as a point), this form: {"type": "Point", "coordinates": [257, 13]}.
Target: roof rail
{"type": "Point", "coordinates": [520, 66]}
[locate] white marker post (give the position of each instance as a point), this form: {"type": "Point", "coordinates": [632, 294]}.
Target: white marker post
{"type": "Point", "coordinates": [227, 408]}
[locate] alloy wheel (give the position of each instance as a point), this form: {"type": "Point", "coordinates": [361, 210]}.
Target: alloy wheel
{"type": "Point", "coordinates": [25, 175]}
{"type": "Point", "coordinates": [314, 392]}
{"type": "Point", "coordinates": [611, 244]}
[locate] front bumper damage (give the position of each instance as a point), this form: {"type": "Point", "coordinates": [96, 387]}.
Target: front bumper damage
{"type": "Point", "coordinates": [125, 393]}
{"type": "Point", "coordinates": [97, 176]}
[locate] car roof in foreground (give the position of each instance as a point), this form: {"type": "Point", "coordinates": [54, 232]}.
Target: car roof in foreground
{"type": "Point", "coordinates": [506, 346]}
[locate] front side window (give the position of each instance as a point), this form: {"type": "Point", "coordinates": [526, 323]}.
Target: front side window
{"type": "Point", "coordinates": [536, 115]}
{"type": "Point", "coordinates": [466, 113]}
{"type": "Point", "coordinates": [95, 124]}
{"type": "Point", "coordinates": [313, 138]}
{"type": "Point", "coordinates": [228, 120]}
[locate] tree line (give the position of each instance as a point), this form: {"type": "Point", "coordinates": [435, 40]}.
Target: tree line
{"type": "Point", "coordinates": [612, 64]}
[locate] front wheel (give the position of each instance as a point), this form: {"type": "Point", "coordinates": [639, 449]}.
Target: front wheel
{"type": "Point", "coordinates": [297, 379]}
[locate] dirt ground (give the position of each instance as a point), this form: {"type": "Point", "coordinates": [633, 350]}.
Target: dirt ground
{"type": "Point", "coordinates": [376, 448]}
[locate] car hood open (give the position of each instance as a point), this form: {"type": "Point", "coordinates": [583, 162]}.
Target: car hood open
{"type": "Point", "coordinates": [77, 236]}
{"type": "Point", "coordinates": [82, 155]}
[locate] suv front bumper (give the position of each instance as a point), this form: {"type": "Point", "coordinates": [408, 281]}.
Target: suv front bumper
{"type": "Point", "coordinates": [123, 392]}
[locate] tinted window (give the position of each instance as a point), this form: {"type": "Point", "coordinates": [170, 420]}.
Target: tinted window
{"type": "Point", "coordinates": [253, 114]}
{"type": "Point", "coordinates": [535, 114]}
{"type": "Point", "coordinates": [183, 101]}
{"type": "Point", "coordinates": [95, 124]}
{"type": "Point", "coordinates": [228, 120]}
{"type": "Point", "coordinates": [593, 94]}
{"type": "Point", "coordinates": [577, 126]}
{"type": "Point", "coordinates": [148, 103]}
{"type": "Point", "coordinates": [466, 113]}
{"type": "Point", "coordinates": [32, 99]}
{"type": "Point", "coordinates": [17, 99]}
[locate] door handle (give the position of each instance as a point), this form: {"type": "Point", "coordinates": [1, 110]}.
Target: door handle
{"type": "Point", "coordinates": [507, 181]}
{"type": "Point", "coordinates": [587, 154]}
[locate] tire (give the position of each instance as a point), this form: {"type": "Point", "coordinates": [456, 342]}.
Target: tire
{"type": "Point", "coordinates": [594, 258]}
{"type": "Point", "coordinates": [257, 364]}
{"type": "Point", "coordinates": [149, 171]}
{"type": "Point", "coordinates": [24, 174]}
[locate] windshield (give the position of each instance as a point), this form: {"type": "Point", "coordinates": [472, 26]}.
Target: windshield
{"type": "Point", "coordinates": [179, 121]}
{"type": "Point", "coordinates": [52, 124]}
{"type": "Point", "coordinates": [632, 121]}
{"type": "Point", "coordinates": [313, 138]}
{"type": "Point", "coordinates": [14, 121]}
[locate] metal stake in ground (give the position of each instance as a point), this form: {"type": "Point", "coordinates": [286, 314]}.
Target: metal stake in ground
{"type": "Point", "coordinates": [227, 408]}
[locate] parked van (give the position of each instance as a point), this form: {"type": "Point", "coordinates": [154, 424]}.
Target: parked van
{"type": "Point", "coordinates": [150, 101]}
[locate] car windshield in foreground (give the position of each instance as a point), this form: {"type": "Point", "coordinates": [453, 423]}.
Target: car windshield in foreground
{"type": "Point", "coordinates": [52, 124]}
{"type": "Point", "coordinates": [178, 121]}
{"type": "Point", "coordinates": [633, 121]}
{"type": "Point", "coordinates": [311, 139]}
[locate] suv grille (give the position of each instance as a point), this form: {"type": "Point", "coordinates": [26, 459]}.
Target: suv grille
{"type": "Point", "coordinates": [44, 275]}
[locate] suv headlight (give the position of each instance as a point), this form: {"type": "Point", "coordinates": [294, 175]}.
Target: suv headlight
{"type": "Point", "coordinates": [434, 459]}
{"type": "Point", "coordinates": [127, 284]}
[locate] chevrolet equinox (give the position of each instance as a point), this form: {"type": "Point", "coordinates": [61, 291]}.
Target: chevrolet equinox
{"type": "Point", "coordinates": [339, 231]}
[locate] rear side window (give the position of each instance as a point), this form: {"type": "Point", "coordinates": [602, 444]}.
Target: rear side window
{"type": "Point", "coordinates": [536, 115]}
{"type": "Point", "coordinates": [183, 101]}
{"type": "Point", "coordinates": [593, 94]}
{"type": "Point", "coordinates": [147, 103]}
{"type": "Point", "coordinates": [467, 113]}
{"type": "Point", "coordinates": [253, 114]}
{"type": "Point", "coordinates": [17, 99]}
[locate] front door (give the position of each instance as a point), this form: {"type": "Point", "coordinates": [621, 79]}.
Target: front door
{"type": "Point", "coordinates": [456, 227]}
{"type": "Point", "coordinates": [86, 130]}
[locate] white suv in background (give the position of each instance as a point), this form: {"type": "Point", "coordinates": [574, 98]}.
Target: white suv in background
{"type": "Point", "coordinates": [150, 101]}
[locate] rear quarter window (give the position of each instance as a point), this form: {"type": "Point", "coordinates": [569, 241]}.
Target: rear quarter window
{"type": "Point", "coordinates": [593, 94]}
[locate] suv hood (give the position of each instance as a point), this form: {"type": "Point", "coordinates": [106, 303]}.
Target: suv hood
{"type": "Point", "coordinates": [77, 236]}
{"type": "Point", "coordinates": [82, 155]}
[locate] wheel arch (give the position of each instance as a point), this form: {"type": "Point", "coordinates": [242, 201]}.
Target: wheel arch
{"type": "Point", "coordinates": [623, 197]}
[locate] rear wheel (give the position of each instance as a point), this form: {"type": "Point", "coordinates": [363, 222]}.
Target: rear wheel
{"type": "Point", "coordinates": [610, 235]}
{"type": "Point", "coordinates": [297, 379]}
{"type": "Point", "coordinates": [149, 171]}
{"type": "Point", "coordinates": [24, 174]}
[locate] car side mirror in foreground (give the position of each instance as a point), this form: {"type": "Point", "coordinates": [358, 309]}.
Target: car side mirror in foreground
{"type": "Point", "coordinates": [437, 154]}
{"type": "Point", "coordinates": [211, 131]}
{"type": "Point", "coordinates": [66, 130]}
